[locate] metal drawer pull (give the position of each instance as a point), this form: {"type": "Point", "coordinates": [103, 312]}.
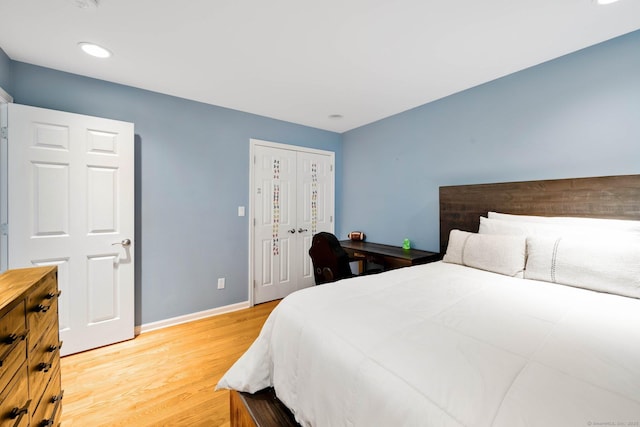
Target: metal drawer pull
{"type": "Point", "coordinates": [19, 413]}
{"type": "Point", "coordinates": [41, 308]}
{"type": "Point", "coordinates": [57, 398]}
{"type": "Point", "coordinates": [44, 366]}
{"type": "Point", "coordinates": [15, 337]}
{"type": "Point", "coordinates": [52, 295]}
{"type": "Point", "coordinates": [49, 422]}
{"type": "Point", "coordinates": [55, 347]}
{"type": "Point", "coordinates": [12, 340]}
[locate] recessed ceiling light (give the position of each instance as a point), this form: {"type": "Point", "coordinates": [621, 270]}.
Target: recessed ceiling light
{"type": "Point", "coordinates": [605, 1]}
{"type": "Point", "coordinates": [335, 116]}
{"type": "Point", "coordinates": [94, 50]}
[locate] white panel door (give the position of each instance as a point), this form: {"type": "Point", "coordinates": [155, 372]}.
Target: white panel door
{"type": "Point", "coordinates": [315, 208]}
{"type": "Point", "coordinates": [293, 198]}
{"type": "Point", "coordinates": [71, 203]}
{"type": "Point", "coordinates": [275, 223]}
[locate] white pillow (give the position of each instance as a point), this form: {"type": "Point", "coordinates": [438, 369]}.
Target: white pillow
{"type": "Point", "coordinates": [605, 264]}
{"type": "Point", "coordinates": [522, 228]}
{"type": "Point", "coordinates": [611, 224]}
{"type": "Point", "coordinates": [513, 228]}
{"type": "Point", "coordinates": [498, 254]}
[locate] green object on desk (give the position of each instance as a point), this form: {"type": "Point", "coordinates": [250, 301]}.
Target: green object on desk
{"type": "Point", "coordinates": [406, 244]}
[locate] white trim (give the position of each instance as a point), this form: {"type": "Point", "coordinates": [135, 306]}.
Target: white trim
{"type": "Point", "coordinates": [252, 218]}
{"type": "Point", "coordinates": [161, 324]}
{"type": "Point", "coordinates": [289, 147]}
{"type": "Point", "coordinates": [4, 184]}
{"type": "Point", "coordinates": [5, 98]}
{"type": "Point", "coordinates": [253, 143]}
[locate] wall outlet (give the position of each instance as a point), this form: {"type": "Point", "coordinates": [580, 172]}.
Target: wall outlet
{"type": "Point", "coordinates": [221, 283]}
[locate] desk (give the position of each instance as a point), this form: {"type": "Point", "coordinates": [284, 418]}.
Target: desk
{"type": "Point", "coordinates": [388, 256]}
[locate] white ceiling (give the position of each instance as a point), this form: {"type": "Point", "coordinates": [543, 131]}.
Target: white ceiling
{"type": "Point", "coordinates": [302, 61]}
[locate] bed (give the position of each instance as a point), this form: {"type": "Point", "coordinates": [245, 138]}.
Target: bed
{"type": "Point", "coordinates": [526, 322]}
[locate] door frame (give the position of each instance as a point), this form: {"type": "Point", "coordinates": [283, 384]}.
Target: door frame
{"type": "Point", "coordinates": [252, 189]}
{"type": "Point", "coordinates": [5, 98]}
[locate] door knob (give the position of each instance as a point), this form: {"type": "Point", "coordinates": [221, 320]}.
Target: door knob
{"type": "Point", "coordinates": [125, 243]}
{"type": "Point", "coordinates": [293, 230]}
{"type": "Point", "coordinates": [301, 230]}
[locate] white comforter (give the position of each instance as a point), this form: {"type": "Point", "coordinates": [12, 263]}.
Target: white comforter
{"type": "Point", "coordinates": [446, 345]}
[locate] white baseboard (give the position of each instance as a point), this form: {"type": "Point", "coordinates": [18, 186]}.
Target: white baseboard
{"type": "Point", "coordinates": [148, 327]}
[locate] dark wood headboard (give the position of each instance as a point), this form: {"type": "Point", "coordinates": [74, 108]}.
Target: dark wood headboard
{"type": "Point", "coordinates": [602, 197]}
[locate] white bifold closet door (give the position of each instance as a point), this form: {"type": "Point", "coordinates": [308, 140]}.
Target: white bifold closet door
{"type": "Point", "coordinates": [70, 198]}
{"type": "Point", "coordinates": [293, 198]}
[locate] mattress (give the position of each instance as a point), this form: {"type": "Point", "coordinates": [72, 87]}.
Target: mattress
{"type": "Point", "coordinates": [447, 345]}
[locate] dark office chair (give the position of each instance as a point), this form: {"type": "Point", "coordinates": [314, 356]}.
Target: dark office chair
{"type": "Point", "coordinates": [330, 261]}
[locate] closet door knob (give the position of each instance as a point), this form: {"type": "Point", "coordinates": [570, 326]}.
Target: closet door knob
{"type": "Point", "coordinates": [125, 243]}
{"type": "Point", "coordinates": [301, 230]}
{"type": "Point", "coordinates": [293, 230]}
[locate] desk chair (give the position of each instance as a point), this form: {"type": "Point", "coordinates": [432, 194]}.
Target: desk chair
{"type": "Point", "coordinates": [330, 261]}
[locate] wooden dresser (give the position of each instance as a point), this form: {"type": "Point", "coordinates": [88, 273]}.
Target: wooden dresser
{"type": "Point", "coordinates": [30, 389]}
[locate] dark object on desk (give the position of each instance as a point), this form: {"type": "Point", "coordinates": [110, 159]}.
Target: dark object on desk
{"type": "Point", "coordinates": [388, 256]}
{"type": "Point", "coordinates": [330, 261]}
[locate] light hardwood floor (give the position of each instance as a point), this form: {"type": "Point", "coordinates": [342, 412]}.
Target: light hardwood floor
{"type": "Point", "coordinates": [160, 378]}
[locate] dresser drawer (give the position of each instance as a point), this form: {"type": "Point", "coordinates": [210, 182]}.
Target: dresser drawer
{"type": "Point", "coordinates": [44, 359]}
{"type": "Point", "coordinates": [14, 400]}
{"type": "Point", "coordinates": [49, 409]}
{"type": "Point", "coordinates": [42, 307]}
{"type": "Point", "coordinates": [13, 344]}
{"type": "Point", "coordinates": [29, 347]}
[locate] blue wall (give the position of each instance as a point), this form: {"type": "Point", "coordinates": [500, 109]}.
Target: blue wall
{"type": "Point", "coordinates": [575, 116]}
{"type": "Point", "coordinates": [192, 173]}
{"type": "Point", "coordinates": [5, 72]}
